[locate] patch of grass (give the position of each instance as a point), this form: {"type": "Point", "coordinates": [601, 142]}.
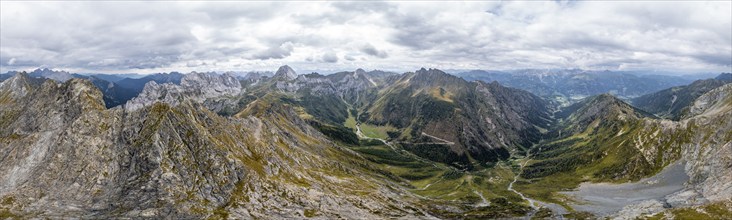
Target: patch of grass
{"type": "Point", "coordinates": [499, 208]}
{"type": "Point", "coordinates": [719, 210]}
{"type": "Point", "coordinates": [8, 200]}
{"type": "Point", "coordinates": [580, 215]}
{"type": "Point", "coordinates": [338, 133]}
{"type": "Point", "coordinates": [350, 122]}
{"type": "Point", "coordinates": [6, 214]}
{"type": "Point", "coordinates": [374, 131]}
{"type": "Point", "coordinates": [545, 189]}
{"type": "Point", "coordinates": [310, 213]}
{"type": "Point", "coordinates": [543, 213]}
{"type": "Point", "coordinates": [442, 94]}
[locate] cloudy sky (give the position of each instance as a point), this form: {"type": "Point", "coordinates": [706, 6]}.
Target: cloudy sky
{"type": "Point", "coordinates": [149, 37]}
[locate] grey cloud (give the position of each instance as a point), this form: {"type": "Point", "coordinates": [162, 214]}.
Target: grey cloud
{"type": "Point", "coordinates": [295, 38]}
{"type": "Point", "coordinates": [229, 12]}
{"type": "Point", "coordinates": [330, 57]}
{"type": "Point", "coordinates": [279, 52]}
{"type": "Point", "coordinates": [345, 12]}
{"type": "Point", "coordinates": [371, 50]}
{"type": "Point", "coordinates": [578, 40]}
{"type": "Point", "coordinates": [21, 63]}
{"type": "Point", "coordinates": [365, 6]}
{"type": "Point", "coordinates": [198, 63]}
{"type": "Point", "coordinates": [216, 52]}
{"type": "Point", "coordinates": [715, 59]}
{"type": "Point", "coordinates": [497, 10]}
{"type": "Point", "coordinates": [72, 40]}
{"type": "Point", "coordinates": [321, 20]}
{"type": "Point", "coordinates": [420, 31]}
{"type": "Point", "coordinates": [349, 58]}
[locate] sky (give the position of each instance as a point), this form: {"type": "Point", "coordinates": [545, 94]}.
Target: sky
{"type": "Point", "coordinates": [147, 37]}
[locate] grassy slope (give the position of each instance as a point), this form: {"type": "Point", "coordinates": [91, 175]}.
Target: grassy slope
{"type": "Point", "coordinates": [718, 210]}
{"type": "Point", "coordinates": [375, 131]}
{"type": "Point", "coordinates": [611, 148]}
{"type": "Point", "coordinates": [603, 156]}
{"type": "Point", "coordinates": [444, 185]}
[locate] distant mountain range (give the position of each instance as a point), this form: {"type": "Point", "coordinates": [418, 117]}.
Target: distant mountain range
{"type": "Point", "coordinates": [560, 87]}
{"type": "Point", "coordinates": [568, 86]}
{"type": "Point", "coordinates": [357, 144]}
{"type": "Point", "coordinates": [116, 89]}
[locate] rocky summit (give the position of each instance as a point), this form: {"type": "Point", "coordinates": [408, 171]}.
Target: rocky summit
{"type": "Point", "coordinates": [356, 145]}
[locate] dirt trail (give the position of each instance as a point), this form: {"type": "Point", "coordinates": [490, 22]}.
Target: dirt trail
{"type": "Point", "coordinates": [557, 210]}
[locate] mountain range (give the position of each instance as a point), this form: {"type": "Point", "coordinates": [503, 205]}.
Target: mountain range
{"type": "Point", "coordinates": [568, 86]}
{"type": "Point", "coordinates": [673, 102]}
{"type": "Point", "coordinates": [360, 144]}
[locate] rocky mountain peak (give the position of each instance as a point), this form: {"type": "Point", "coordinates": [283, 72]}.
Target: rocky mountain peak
{"type": "Point", "coordinates": [724, 77]}
{"type": "Point", "coordinates": [214, 81]}
{"type": "Point", "coordinates": [83, 92]}
{"type": "Point", "coordinates": [603, 108]}
{"type": "Point", "coordinates": [433, 77]}
{"type": "Point", "coordinates": [61, 76]}
{"type": "Point", "coordinates": [252, 75]}
{"type": "Point", "coordinates": [18, 85]}
{"type": "Point", "coordinates": [433, 73]}
{"type": "Point", "coordinates": [194, 86]}
{"type": "Point", "coordinates": [286, 73]}
{"type": "Point", "coordinates": [609, 104]}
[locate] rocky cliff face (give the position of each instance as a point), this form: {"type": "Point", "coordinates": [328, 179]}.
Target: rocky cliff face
{"type": "Point", "coordinates": [339, 84]}
{"type": "Point", "coordinates": [194, 86]}
{"type": "Point", "coordinates": [709, 154]}
{"type": "Point", "coordinates": [65, 155]}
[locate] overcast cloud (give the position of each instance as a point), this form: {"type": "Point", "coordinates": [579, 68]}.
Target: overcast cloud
{"type": "Point", "coordinates": [222, 36]}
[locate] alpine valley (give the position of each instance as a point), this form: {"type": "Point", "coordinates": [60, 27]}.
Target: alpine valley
{"type": "Point", "coordinates": [527, 144]}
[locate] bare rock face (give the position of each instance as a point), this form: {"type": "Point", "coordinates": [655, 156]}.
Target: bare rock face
{"type": "Point", "coordinates": [341, 84]}
{"type": "Point", "coordinates": [197, 87]}
{"type": "Point", "coordinates": [710, 155]}
{"type": "Point", "coordinates": [16, 86]}
{"type": "Point", "coordinates": [712, 101]}
{"type": "Point", "coordinates": [285, 73]}
{"type": "Point", "coordinates": [61, 76]}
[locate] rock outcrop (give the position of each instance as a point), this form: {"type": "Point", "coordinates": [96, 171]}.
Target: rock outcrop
{"type": "Point", "coordinates": [709, 155]}
{"type": "Point", "coordinates": [197, 87]}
